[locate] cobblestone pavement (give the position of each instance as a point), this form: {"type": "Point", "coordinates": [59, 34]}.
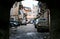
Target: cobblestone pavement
{"type": "Point", "coordinates": [27, 32]}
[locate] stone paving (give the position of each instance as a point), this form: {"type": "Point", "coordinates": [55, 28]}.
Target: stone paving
{"type": "Point", "coordinates": [27, 32]}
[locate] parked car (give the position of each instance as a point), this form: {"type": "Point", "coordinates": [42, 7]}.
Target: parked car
{"type": "Point", "coordinates": [31, 21]}
{"type": "Point", "coordinates": [14, 23]}
{"type": "Point", "coordinates": [36, 22]}
{"type": "Point", "coordinates": [41, 24]}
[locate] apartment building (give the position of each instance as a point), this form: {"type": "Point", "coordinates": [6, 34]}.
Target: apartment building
{"type": "Point", "coordinates": [31, 10]}
{"type": "Point", "coordinates": [14, 11]}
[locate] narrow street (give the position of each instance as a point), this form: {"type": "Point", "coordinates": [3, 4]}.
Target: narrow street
{"type": "Point", "coordinates": [27, 32]}
{"type": "Point", "coordinates": [33, 12]}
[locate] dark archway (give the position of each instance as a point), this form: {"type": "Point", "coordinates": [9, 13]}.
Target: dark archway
{"type": "Point", "coordinates": [5, 6]}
